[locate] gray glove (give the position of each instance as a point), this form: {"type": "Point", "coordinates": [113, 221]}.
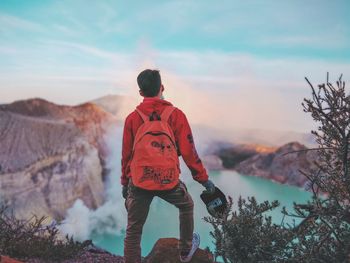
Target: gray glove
{"type": "Point", "coordinates": [125, 191]}
{"type": "Point", "coordinates": [210, 187]}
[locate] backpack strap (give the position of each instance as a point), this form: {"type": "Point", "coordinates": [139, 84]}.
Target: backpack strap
{"type": "Point", "coordinates": [166, 113]}
{"type": "Point", "coordinates": [144, 117]}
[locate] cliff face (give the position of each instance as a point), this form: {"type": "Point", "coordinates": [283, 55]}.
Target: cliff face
{"type": "Point", "coordinates": [51, 155]}
{"type": "Point", "coordinates": [271, 163]}
{"type": "Point", "coordinates": [232, 156]}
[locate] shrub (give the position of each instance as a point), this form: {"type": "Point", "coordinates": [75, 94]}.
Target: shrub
{"type": "Point", "coordinates": [25, 239]}
{"type": "Point", "coordinates": [247, 235]}
{"type": "Point", "coordinates": [323, 234]}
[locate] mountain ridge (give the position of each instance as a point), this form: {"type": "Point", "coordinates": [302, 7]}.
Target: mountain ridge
{"type": "Point", "coordinates": [281, 164]}
{"type": "Point", "coordinates": [52, 155]}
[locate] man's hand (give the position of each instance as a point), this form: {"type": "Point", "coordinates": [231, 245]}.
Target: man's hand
{"type": "Point", "coordinates": [210, 187]}
{"type": "Point", "coordinates": [125, 191]}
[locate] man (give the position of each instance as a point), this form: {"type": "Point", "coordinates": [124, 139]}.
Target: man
{"type": "Point", "coordinates": [159, 181]}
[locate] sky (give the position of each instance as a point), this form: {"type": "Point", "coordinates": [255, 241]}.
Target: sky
{"type": "Point", "coordinates": [237, 59]}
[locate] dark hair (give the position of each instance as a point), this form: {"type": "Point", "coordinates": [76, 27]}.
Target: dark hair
{"type": "Point", "coordinates": [149, 82]}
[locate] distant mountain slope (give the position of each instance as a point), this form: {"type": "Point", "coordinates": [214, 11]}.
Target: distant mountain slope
{"type": "Point", "coordinates": [110, 103]}
{"type": "Point", "coordinates": [89, 118]}
{"type": "Point", "coordinates": [271, 163]}
{"type": "Point", "coordinates": [36, 107]}
{"type": "Point", "coordinates": [234, 154]}
{"type": "Point", "coordinates": [25, 140]}
{"type": "Point", "coordinates": [51, 155]}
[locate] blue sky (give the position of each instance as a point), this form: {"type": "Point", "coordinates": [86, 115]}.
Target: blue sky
{"type": "Point", "coordinates": [231, 52]}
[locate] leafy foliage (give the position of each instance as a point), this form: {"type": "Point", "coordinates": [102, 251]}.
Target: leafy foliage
{"type": "Point", "coordinates": [323, 234]}
{"type": "Point", "coordinates": [247, 235]}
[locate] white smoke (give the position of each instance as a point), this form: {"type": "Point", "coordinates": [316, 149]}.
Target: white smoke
{"type": "Point", "coordinates": [110, 218]}
{"type": "Point", "coordinates": [77, 222]}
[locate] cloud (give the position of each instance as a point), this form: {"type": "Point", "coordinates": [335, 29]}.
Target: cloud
{"type": "Point", "coordinates": [242, 91]}
{"type": "Point", "coordinates": [8, 50]}
{"type": "Point", "coordinates": [315, 41]}
{"type": "Point", "coordinates": [245, 90]}
{"type": "Point", "coordinates": [65, 30]}
{"type": "Point", "coordinates": [10, 23]}
{"type": "Point", "coordinates": [89, 50]}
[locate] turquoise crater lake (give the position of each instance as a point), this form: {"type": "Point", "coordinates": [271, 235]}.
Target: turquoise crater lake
{"type": "Point", "coordinates": [163, 218]}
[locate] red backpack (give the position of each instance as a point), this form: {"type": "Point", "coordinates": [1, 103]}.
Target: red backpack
{"type": "Point", "coordinates": [155, 163]}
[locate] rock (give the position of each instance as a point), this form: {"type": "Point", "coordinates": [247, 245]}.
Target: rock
{"type": "Point", "coordinates": [86, 257]}
{"type": "Point", "coordinates": [166, 251]}
{"type": "Point", "coordinates": [235, 154]}
{"type": "Point", "coordinates": [91, 257]}
{"type": "Point", "coordinates": [89, 254]}
{"type": "Point", "coordinates": [52, 155]}
{"type": "Point", "coordinates": [5, 259]}
{"type": "Point", "coordinates": [280, 167]}
{"type": "Point", "coordinates": [270, 162]}
{"type": "Point", "coordinates": [50, 186]}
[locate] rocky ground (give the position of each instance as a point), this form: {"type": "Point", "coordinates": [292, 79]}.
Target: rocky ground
{"type": "Point", "coordinates": [164, 251]}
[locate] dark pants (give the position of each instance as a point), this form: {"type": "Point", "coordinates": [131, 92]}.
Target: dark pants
{"type": "Point", "coordinates": [138, 203]}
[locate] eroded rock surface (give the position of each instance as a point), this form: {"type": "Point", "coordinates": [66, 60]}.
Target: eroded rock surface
{"type": "Point", "coordinates": [280, 166]}
{"type": "Point", "coordinates": [51, 155]}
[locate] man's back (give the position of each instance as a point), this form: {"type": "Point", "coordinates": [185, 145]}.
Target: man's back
{"type": "Point", "coordinates": [182, 132]}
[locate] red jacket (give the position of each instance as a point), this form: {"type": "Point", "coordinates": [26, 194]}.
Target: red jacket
{"type": "Point", "coordinates": [182, 132]}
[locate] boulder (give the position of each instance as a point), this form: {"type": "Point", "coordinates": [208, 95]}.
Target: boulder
{"type": "Point", "coordinates": [6, 259]}
{"type": "Point", "coordinates": [166, 251]}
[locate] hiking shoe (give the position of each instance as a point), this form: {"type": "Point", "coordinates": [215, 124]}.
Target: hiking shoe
{"type": "Point", "coordinates": [196, 240]}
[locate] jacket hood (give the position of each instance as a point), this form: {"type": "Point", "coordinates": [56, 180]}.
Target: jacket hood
{"type": "Point", "coordinates": [149, 105]}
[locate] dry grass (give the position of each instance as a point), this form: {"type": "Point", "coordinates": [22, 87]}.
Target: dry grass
{"type": "Point", "coordinates": [31, 238]}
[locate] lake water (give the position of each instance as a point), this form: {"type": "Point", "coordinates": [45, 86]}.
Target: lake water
{"type": "Point", "coordinates": [163, 219]}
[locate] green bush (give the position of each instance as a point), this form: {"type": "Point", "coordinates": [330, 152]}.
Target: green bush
{"type": "Point", "coordinates": [323, 234]}
{"type": "Point", "coordinates": [247, 235]}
